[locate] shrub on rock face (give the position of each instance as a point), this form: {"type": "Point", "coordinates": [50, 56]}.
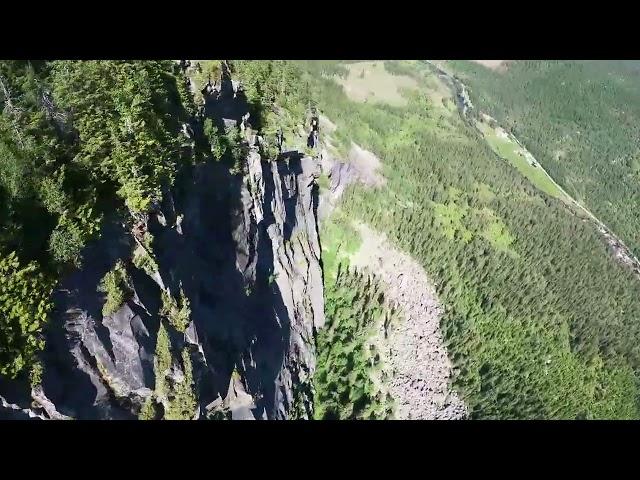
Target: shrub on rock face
{"type": "Point", "coordinates": [215, 141]}
{"type": "Point", "coordinates": [177, 392]}
{"type": "Point", "coordinates": [150, 410]}
{"type": "Point", "coordinates": [144, 261]}
{"type": "Point", "coordinates": [162, 361]}
{"type": "Point", "coordinates": [115, 285]}
{"type": "Point", "coordinates": [24, 307]}
{"type": "Point", "coordinates": [65, 243]}
{"type": "Point", "coordinates": [177, 312]}
{"type": "Point", "coordinates": [236, 150]}
{"type": "Point", "coordinates": [182, 400]}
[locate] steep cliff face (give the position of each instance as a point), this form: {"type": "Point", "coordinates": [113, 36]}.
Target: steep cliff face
{"type": "Point", "coordinates": [223, 297]}
{"type": "Point", "coordinates": [283, 206]}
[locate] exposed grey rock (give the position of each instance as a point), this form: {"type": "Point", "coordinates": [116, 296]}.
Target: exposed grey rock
{"type": "Point", "coordinates": [230, 123]}
{"type": "Point", "coordinates": [117, 373]}
{"type": "Point", "coordinates": [283, 205]}
{"type": "Point", "coordinates": [361, 166]}
{"type": "Point", "coordinates": [412, 345]}
{"type": "Point", "coordinates": [256, 184]}
{"type": "Point", "coordinates": [95, 366]}
{"type": "Point", "coordinates": [161, 219]}
{"type": "Point", "coordinates": [47, 405]}
{"type": "Point", "coordinates": [11, 411]}
{"type": "Point", "coordinates": [342, 174]}
{"type": "Point", "coordinates": [245, 252]}
{"type": "Point", "coordinates": [238, 401]}
{"type": "Point", "coordinates": [85, 345]}
{"type": "Point", "coordinates": [125, 330]}
{"type": "Point", "coordinates": [179, 224]}
{"type": "Point", "coordinates": [215, 405]}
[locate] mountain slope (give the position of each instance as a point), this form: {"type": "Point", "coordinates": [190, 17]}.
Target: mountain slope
{"type": "Point", "coordinates": [580, 120]}
{"type": "Point", "coordinates": [162, 258]}
{"type": "Point", "coordinates": [539, 321]}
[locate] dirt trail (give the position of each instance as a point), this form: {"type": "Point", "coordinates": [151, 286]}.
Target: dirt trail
{"type": "Point", "coordinates": [420, 368]}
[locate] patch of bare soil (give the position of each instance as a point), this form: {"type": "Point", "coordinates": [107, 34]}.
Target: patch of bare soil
{"type": "Point", "coordinates": [413, 345]}
{"type": "Point", "coordinates": [362, 166]}
{"type": "Point", "coordinates": [366, 165]}
{"type": "Point", "coordinates": [498, 65]}
{"type": "Point", "coordinates": [327, 125]}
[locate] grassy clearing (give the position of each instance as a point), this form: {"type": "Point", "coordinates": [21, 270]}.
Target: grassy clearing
{"type": "Point", "coordinates": [497, 65]}
{"type": "Point", "coordinates": [496, 232]}
{"type": "Point", "coordinates": [371, 82]}
{"type": "Point", "coordinates": [484, 193]}
{"type": "Point", "coordinates": [340, 240]}
{"type": "Point", "coordinates": [449, 218]}
{"type": "Point", "coordinates": [506, 148]}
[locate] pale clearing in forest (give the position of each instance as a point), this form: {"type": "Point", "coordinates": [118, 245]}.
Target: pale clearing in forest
{"type": "Point", "coordinates": [440, 94]}
{"type": "Point", "coordinates": [492, 64]}
{"type": "Point", "coordinates": [370, 82]}
{"type": "Point", "coordinates": [326, 124]}
{"type": "Point", "coordinates": [366, 165]}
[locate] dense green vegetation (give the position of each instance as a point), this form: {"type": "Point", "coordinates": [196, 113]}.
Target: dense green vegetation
{"type": "Point", "coordinates": [127, 122]}
{"type": "Point", "coordinates": [179, 395]}
{"type": "Point", "coordinates": [349, 380]}
{"type": "Point", "coordinates": [540, 321]}
{"type": "Point", "coordinates": [581, 120]}
{"type": "Point", "coordinates": [115, 285]}
{"type": "Point", "coordinates": [150, 410]}
{"type": "Point", "coordinates": [77, 140]}
{"type": "Point", "coordinates": [24, 305]}
{"type": "Point", "coordinates": [347, 358]}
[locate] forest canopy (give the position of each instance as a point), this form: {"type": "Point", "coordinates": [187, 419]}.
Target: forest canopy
{"type": "Point", "coordinates": [76, 140]}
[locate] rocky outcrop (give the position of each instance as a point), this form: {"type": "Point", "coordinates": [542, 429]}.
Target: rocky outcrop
{"type": "Point", "coordinates": [361, 166]}
{"type": "Point", "coordinates": [12, 411]}
{"type": "Point", "coordinates": [244, 250]}
{"type": "Point", "coordinates": [238, 254]}
{"type": "Point", "coordinates": [97, 366]}
{"type": "Point", "coordinates": [296, 259]}
{"type": "Point", "coordinates": [279, 220]}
